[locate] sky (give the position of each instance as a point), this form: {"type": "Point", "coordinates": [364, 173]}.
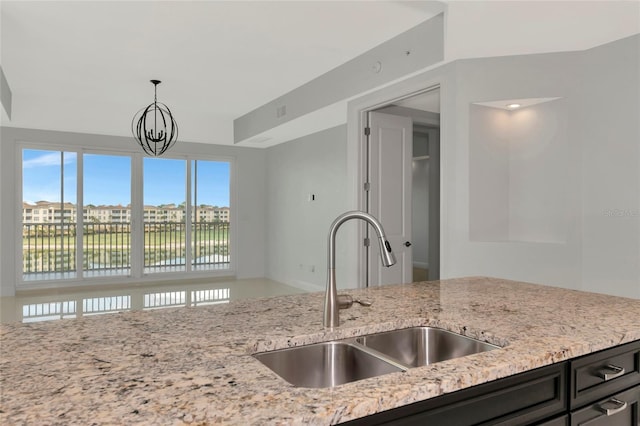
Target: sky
{"type": "Point", "coordinates": [107, 179]}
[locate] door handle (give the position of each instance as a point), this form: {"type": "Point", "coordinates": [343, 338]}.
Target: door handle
{"type": "Point", "coordinates": [407, 244]}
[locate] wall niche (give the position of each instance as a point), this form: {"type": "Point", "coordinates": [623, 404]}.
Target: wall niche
{"type": "Point", "coordinates": [518, 156]}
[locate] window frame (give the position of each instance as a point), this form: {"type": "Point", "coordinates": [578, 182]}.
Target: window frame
{"type": "Point", "coordinates": [137, 273]}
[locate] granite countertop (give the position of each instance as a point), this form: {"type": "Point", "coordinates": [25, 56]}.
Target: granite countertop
{"type": "Point", "coordinates": [194, 365]}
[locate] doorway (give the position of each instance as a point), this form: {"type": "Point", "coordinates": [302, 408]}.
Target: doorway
{"type": "Point", "coordinates": [402, 156]}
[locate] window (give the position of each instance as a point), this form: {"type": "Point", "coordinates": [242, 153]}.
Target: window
{"type": "Point", "coordinates": [178, 236]}
{"type": "Point", "coordinates": [183, 204]}
{"type": "Point", "coordinates": [106, 244]}
{"type": "Point", "coordinates": [49, 182]}
{"type": "Point", "coordinates": [209, 233]}
{"type": "Point", "coordinates": [164, 228]}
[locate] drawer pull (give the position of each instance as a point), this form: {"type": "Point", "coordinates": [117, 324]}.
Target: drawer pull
{"type": "Point", "coordinates": [611, 372]}
{"type": "Point", "coordinates": [619, 406]}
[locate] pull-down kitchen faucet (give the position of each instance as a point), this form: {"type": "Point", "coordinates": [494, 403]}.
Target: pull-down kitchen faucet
{"type": "Point", "coordinates": [331, 317]}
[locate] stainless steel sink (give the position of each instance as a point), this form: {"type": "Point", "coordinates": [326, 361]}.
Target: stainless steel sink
{"type": "Point", "coordinates": [325, 365]}
{"type": "Point", "coordinates": [420, 346]}
{"type": "Point", "coordinates": [329, 364]}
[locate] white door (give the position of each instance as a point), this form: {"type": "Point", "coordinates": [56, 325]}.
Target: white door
{"type": "Point", "coordinates": [389, 196]}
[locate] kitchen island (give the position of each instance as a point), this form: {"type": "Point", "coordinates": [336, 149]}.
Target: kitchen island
{"type": "Point", "coordinates": [194, 365]}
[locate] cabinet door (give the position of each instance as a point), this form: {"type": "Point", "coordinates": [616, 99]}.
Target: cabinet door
{"type": "Point", "coordinates": [618, 410]}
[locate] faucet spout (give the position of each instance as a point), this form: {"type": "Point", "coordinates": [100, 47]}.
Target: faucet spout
{"type": "Point", "coordinates": [331, 317]}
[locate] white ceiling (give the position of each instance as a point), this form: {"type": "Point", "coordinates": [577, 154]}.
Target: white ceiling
{"type": "Point", "coordinates": [484, 28]}
{"type": "Point", "coordinates": [85, 66]}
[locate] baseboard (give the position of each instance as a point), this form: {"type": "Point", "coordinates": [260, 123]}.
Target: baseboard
{"type": "Point", "coordinates": [304, 285]}
{"type": "Point", "coordinates": [421, 265]}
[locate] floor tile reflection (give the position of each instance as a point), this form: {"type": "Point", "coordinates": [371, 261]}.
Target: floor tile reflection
{"type": "Point", "coordinates": [48, 305]}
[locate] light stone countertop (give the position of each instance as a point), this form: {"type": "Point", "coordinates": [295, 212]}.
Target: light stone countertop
{"type": "Point", "coordinates": [194, 365]}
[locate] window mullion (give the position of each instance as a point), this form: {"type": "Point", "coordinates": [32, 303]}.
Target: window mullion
{"type": "Point", "coordinates": [137, 217]}
{"type": "Point", "coordinates": [188, 221]}
{"type": "Point", "coordinates": [55, 234]}
{"type": "Point", "coordinates": [79, 215]}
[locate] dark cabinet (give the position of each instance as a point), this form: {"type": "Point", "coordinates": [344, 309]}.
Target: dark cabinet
{"type": "Point", "coordinates": [618, 410]}
{"type": "Point", "coordinates": [602, 388]}
{"type": "Point", "coordinates": [605, 387]}
{"type": "Point", "coordinates": [604, 373]}
{"type": "Point", "coordinates": [556, 421]}
{"type": "Point", "coordinates": [527, 397]}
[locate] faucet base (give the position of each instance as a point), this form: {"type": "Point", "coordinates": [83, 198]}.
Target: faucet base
{"type": "Point", "coordinates": [331, 316]}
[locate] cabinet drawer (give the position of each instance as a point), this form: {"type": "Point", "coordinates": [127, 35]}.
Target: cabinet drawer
{"type": "Point", "coordinates": [618, 410]}
{"type": "Point", "coordinates": [595, 376]}
{"type": "Point", "coordinates": [513, 401]}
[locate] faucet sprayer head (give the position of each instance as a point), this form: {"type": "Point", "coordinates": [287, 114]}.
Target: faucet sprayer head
{"type": "Point", "coordinates": [330, 316]}
{"type": "Point", "coordinates": [386, 254]}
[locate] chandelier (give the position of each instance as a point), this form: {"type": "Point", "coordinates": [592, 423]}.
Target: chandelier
{"type": "Point", "coordinates": [154, 127]}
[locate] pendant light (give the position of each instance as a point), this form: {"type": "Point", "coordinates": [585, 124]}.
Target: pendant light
{"type": "Point", "coordinates": [154, 127]}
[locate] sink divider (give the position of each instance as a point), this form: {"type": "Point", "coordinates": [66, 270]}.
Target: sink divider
{"type": "Point", "coordinates": [375, 353]}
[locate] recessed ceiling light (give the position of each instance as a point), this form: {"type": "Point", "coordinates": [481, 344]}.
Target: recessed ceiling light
{"type": "Point", "coordinates": [513, 106]}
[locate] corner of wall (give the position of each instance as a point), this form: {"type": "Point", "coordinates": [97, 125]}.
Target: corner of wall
{"type": "Point", "coordinates": [6, 97]}
{"type": "Point", "coordinates": [306, 190]}
{"type": "Point", "coordinates": [7, 214]}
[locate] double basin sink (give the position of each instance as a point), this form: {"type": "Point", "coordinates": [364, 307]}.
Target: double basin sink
{"type": "Point", "coordinates": [329, 364]}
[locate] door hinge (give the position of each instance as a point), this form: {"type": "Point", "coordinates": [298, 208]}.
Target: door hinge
{"type": "Point", "coordinates": [367, 186]}
{"type": "Point", "coordinates": [367, 242]}
{"type": "Point", "coordinates": [367, 131]}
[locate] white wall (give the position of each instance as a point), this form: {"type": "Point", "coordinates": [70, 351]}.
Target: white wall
{"type": "Point", "coordinates": [513, 156]}
{"type": "Point", "coordinates": [600, 88]}
{"type": "Point", "coordinates": [608, 127]}
{"type": "Point", "coordinates": [5, 95]}
{"type": "Point", "coordinates": [296, 227]}
{"type": "Point", "coordinates": [539, 154]}
{"type": "Point", "coordinates": [420, 212]}
{"type": "Point", "coordinates": [250, 194]}
{"type": "Point", "coordinates": [488, 174]}
{"type": "Point", "coordinates": [513, 77]}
